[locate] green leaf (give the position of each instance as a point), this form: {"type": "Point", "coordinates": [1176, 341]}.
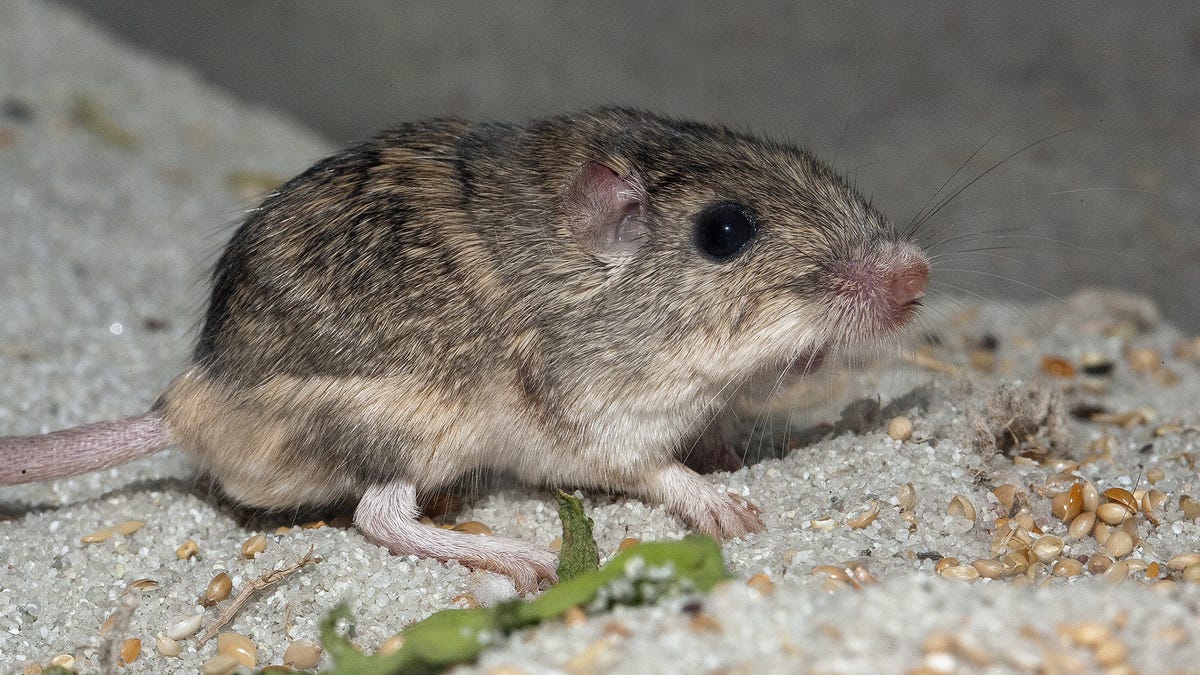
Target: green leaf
{"type": "Point", "coordinates": [641, 574]}
{"type": "Point", "coordinates": [579, 554]}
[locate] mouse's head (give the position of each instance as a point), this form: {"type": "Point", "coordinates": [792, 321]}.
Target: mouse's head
{"type": "Point", "coordinates": [742, 253]}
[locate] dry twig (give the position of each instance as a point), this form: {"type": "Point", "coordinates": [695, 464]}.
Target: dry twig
{"type": "Point", "coordinates": [272, 577]}
{"type": "Point", "coordinates": [110, 648]}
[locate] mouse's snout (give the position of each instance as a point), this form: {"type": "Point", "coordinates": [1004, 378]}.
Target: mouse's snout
{"type": "Point", "coordinates": [906, 285]}
{"type": "Point", "coordinates": [878, 290]}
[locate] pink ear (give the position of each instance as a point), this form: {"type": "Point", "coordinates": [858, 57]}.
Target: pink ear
{"type": "Point", "coordinates": [606, 211]}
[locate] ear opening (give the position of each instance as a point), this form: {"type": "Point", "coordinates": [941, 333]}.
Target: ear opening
{"type": "Point", "coordinates": [606, 211]}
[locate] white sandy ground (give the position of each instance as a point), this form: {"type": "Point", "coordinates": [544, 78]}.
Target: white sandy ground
{"type": "Point", "coordinates": [103, 256]}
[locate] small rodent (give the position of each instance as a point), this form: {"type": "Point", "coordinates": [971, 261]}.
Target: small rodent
{"type": "Point", "coordinates": [570, 300]}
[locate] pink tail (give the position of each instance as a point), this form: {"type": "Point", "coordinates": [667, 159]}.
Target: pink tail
{"type": "Point", "coordinates": [29, 459]}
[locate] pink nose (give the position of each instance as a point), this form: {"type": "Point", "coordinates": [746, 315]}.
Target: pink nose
{"type": "Point", "coordinates": [907, 285]}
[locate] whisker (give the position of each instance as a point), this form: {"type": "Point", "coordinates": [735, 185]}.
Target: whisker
{"type": "Point", "coordinates": [950, 197]}
{"type": "Point", "coordinates": [1009, 204]}
{"type": "Point", "coordinates": [917, 218]}
{"type": "Point", "coordinates": [1008, 279]}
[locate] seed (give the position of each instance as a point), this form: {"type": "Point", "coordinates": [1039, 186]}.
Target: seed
{"type": "Point", "coordinates": [1110, 653]}
{"type": "Point", "coordinates": [989, 569]}
{"type": "Point", "coordinates": [1074, 500]}
{"type": "Point", "coordinates": [628, 543]}
{"type": "Point", "coordinates": [1153, 500]}
{"type": "Point", "coordinates": [703, 622]}
{"type": "Point", "coordinates": [1067, 567]}
{"type": "Point", "coordinates": [1165, 586]}
{"type": "Point", "coordinates": [865, 518]}
{"type": "Point", "coordinates": [98, 536]}
{"type": "Point", "coordinates": [900, 428]}
{"type": "Point", "coordinates": [392, 644]}
{"type": "Point", "coordinates": [254, 545]}
{"type": "Point", "coordinates": [1154, 475]}
{"type": "Point", "coordinates": [761, 582]}
{"type": "Point", "coordinates": [142, 585]}
{"type": "Point", "coordinates": [961, 507]}
{"type": "Point", "coordinates": [944, 563]}
{"type": "Point", "coordinates": [1191, 572]}
{"type": "Point", "coordinates": [218, 589]}
{"type": "Point", "coordinates": [185, 627]}
{"type": "Point", "coordinates": [966, 573]}
{"type": "Point", "coordinates": [130, 526]}
{"type": "Point", "coordinates": [1183, 561]}
{"type": "Point", "coordinates": [1136, 564]}
{"type": "Point", "coordinates": [574, 617]}
{"type": "Point", "coordinates": [1057, 366]}
{"type": "Point", "coordinates": [1066, 505]}
{"type": "Point", "coordinates": [466, 600]}
{"type": "Point", "coordinates": [221, 664]}
{"type": "Point", "coordinates": [303, 654]}
{"type": "Point", "coordinates": [1100, 532]}
{"type": "Point", "coordinates": [1026, 526]}
{"type": "Point", "coordinates": [825, 524]}
{"type": "Point", "coordinates": [1099, 563]}
{"type": "Point", "coordinates": [1123, 497]}
{"type": "Point", "coordinates": [1113, 513]}
{"type": "Point", "coordinates": [239, 647]}
{"type": "Point", "coordinates": [1047, 548]}
{"type": "Point", "coordinates": [1119, 543]}
{"type": "Point", "coordinates": [556, 544]}
{"type": "Point", "coordinates": [130, 649]}
{"type": "Point", "coordinates": [907, 497]}
{"type": "Point", "coordinates": [831, 571]}
{"type": "Point", "coordinates": [1081, 526]}
{"type": "Point", "coordinates": [982, 359]}
{"type": "Point", "coordinates": [1088, 633]}
{"type": "Point", "coordinates": [1191, 507]}
{"type": "Point", "coordinates": [472, 527]}
{"type": "Point", "coordinates": [1007, 495]}
{"type": "Point", "coordinates": [1026, 522]}
{"type": "Point", "coordinates": [1015, 562]}
{"type": "Point", "coordinates": [1117, 573]}
{"type": "Point", "coordinates": [313, 525]}
{"type": "Point", "coordinates": [1168, 429]}
{"type": "Point", "coordinates": [1142, 360]}
{"type": "Point", "coordinates": [860, 576]}
{"type": "Point", "coordinates": [1091, 496]}
{"type": "Point", "coordinates": [166, 646]}
{"type": "Point", "coordinates": [1153, 570]}
{"type": "Point", "coordinates": [1096, 364]}
{"type": "Point", "coordinates": [109, 622]}
{"type": "Point", "coordinates": [187, 550]}
{"type": "Point", "coordinates": [283, 529]}
{"type": "Point", "coordinates": [1058, 505]}
{"type": "Point", "coordinates": [63, 661]}
{"type": "Point", "coordinates": [939, 642]}
{"type": "Point", "coordinates": [1037, 572]}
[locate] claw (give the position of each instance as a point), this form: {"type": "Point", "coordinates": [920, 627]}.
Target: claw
{"type": "Point", "coordinates": [703, 506]}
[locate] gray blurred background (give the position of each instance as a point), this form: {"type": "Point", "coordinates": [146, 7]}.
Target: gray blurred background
{"type": "Point", "coordinates": [897, 95]}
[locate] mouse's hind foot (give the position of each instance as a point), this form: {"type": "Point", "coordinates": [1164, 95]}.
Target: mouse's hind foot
{"type": "Point", "coordinates": [387, 514]}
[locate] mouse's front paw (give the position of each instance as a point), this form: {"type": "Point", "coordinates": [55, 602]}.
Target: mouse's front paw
{"type": "Point", "coordinates": [705, 507]}
{"type": "Point", "coordinates": [726, 516]}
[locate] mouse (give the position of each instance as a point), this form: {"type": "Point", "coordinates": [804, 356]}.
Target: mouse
{"type": "Point", "coordinates": [571, 300]}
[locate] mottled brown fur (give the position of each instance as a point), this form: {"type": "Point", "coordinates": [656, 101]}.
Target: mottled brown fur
{"type": "Point", "coordinates": [453, 296]}
{"type": "Point", "coordinates": [431, 267]}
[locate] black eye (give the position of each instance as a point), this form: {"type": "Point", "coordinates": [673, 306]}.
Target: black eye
{"type": "Point", "coordinates": [723, 230]}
